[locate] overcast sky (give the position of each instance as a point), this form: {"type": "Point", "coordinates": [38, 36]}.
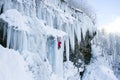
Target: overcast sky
{"type": "Point", "coordinates": [108, 13]}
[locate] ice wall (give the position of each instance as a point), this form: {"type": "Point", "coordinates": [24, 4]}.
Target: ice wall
{"type": "Point", "coordinates": [54, 13]}
{"type": "Point", "coordinates": [29, 23]}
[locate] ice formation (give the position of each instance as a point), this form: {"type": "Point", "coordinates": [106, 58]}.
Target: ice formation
{"type": "Point", "coordinates": [33, 27]}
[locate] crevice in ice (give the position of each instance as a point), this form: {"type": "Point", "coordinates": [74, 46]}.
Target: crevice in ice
{"type": "Point", "coordinates": [1, 9]}
{"type": "Point", "coordinates": [64, 53]}
{"type": "Point", "coordinates": [3, 37]}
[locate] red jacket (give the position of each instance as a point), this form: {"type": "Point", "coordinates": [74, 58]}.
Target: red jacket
{"type": "Point", "coordinates": [59, 44]}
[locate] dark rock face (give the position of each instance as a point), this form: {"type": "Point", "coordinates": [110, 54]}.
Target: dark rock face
{"type": "Point", "coordinates": [85, 47]}
{"type": "Point", "coordinates": [81, 55]}
{"type": "Point", "coordinates": [76, 54]}
{"type": "Point", "coordinates": [82, 50]}
{"type": "Point", "coordinates": [1, 9]}
{"type": "Point", "coordinates": [64, 53]}
{"type": "Point", "coordinates": [62, 0]}
{"type": "Point", "coordinates": [2, 41]}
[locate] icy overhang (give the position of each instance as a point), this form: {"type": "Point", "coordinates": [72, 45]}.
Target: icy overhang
{"type": "Point", "coordinates": [24, 23]}
{"type": "Point", "coordinates": [55, 32]}
{"type": "Point", "coordinates": [14, 19]}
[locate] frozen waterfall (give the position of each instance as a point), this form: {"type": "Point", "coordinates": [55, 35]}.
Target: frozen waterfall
{"type": "Point", "coordinates": [34, 26]}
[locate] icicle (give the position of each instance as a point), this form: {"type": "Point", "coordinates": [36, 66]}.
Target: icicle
{"type": "Point", "coordinates": [55, 61]}
{"type": "Point", "coordinates": [5, 31]}
{"type": "Point", "coordinates": [24, 40]}
{"type": "Point", "coordinates": [11, 39]}
{"type": "Point", "coordinates": [72, 37]}
{"type": "Point", "coordinates": [20, 40]}
{"type": "Point", "coordinates": [15, 39]}
{"type": "Point", "coordinates": [67, 49]}
{"type": "Point", "coordinates": [60, 57]}
{"type": "Point", "coordinates": [8, 36]}
{"type": "Point", "coordinates": [79, 32]}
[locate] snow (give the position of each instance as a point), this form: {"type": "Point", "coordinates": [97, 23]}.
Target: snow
{"type": "Point", "coordinates": [20, 1]}
{"type": "Point", "coordinates": [70, 72]}
{"type": "Point", "coordinates": [54, 32]}
{"type": "Point", "coordinates": [98, 68]}
{"type": "Point", "coordinates": [41, 69]}
{"type": "Point", "coordinates": [13, 66]}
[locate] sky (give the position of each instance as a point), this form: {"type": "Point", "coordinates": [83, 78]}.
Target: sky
{"type": "Point", "coordinates": [108, 14]}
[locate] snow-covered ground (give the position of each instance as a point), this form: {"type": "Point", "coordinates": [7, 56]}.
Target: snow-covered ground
{"type": "Point", "coordinates": [98, 68]}
{"type": "Point", "coordinates": [71, 72]}
{"type": "Point", "coordinates": [13, 66]}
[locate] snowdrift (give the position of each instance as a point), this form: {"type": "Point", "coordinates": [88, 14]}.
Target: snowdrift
{"type": "Point", "coordinates": [13, 66]}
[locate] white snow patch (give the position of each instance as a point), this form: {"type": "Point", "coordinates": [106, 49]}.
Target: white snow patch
{"type": "Point", "coordinates": [55, 32]}
{"type": "Point", "coordinates": [13, 66]}
{"type": "Point", "coordinates": [70, 71]}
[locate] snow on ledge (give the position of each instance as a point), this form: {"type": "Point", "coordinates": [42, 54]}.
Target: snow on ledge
{"type": "Point", "coordinates": [14, 18]}
{"type": "Point", "coordinates": [25, 23]}
{"type": "Point", "coordinates": [55, 32]}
